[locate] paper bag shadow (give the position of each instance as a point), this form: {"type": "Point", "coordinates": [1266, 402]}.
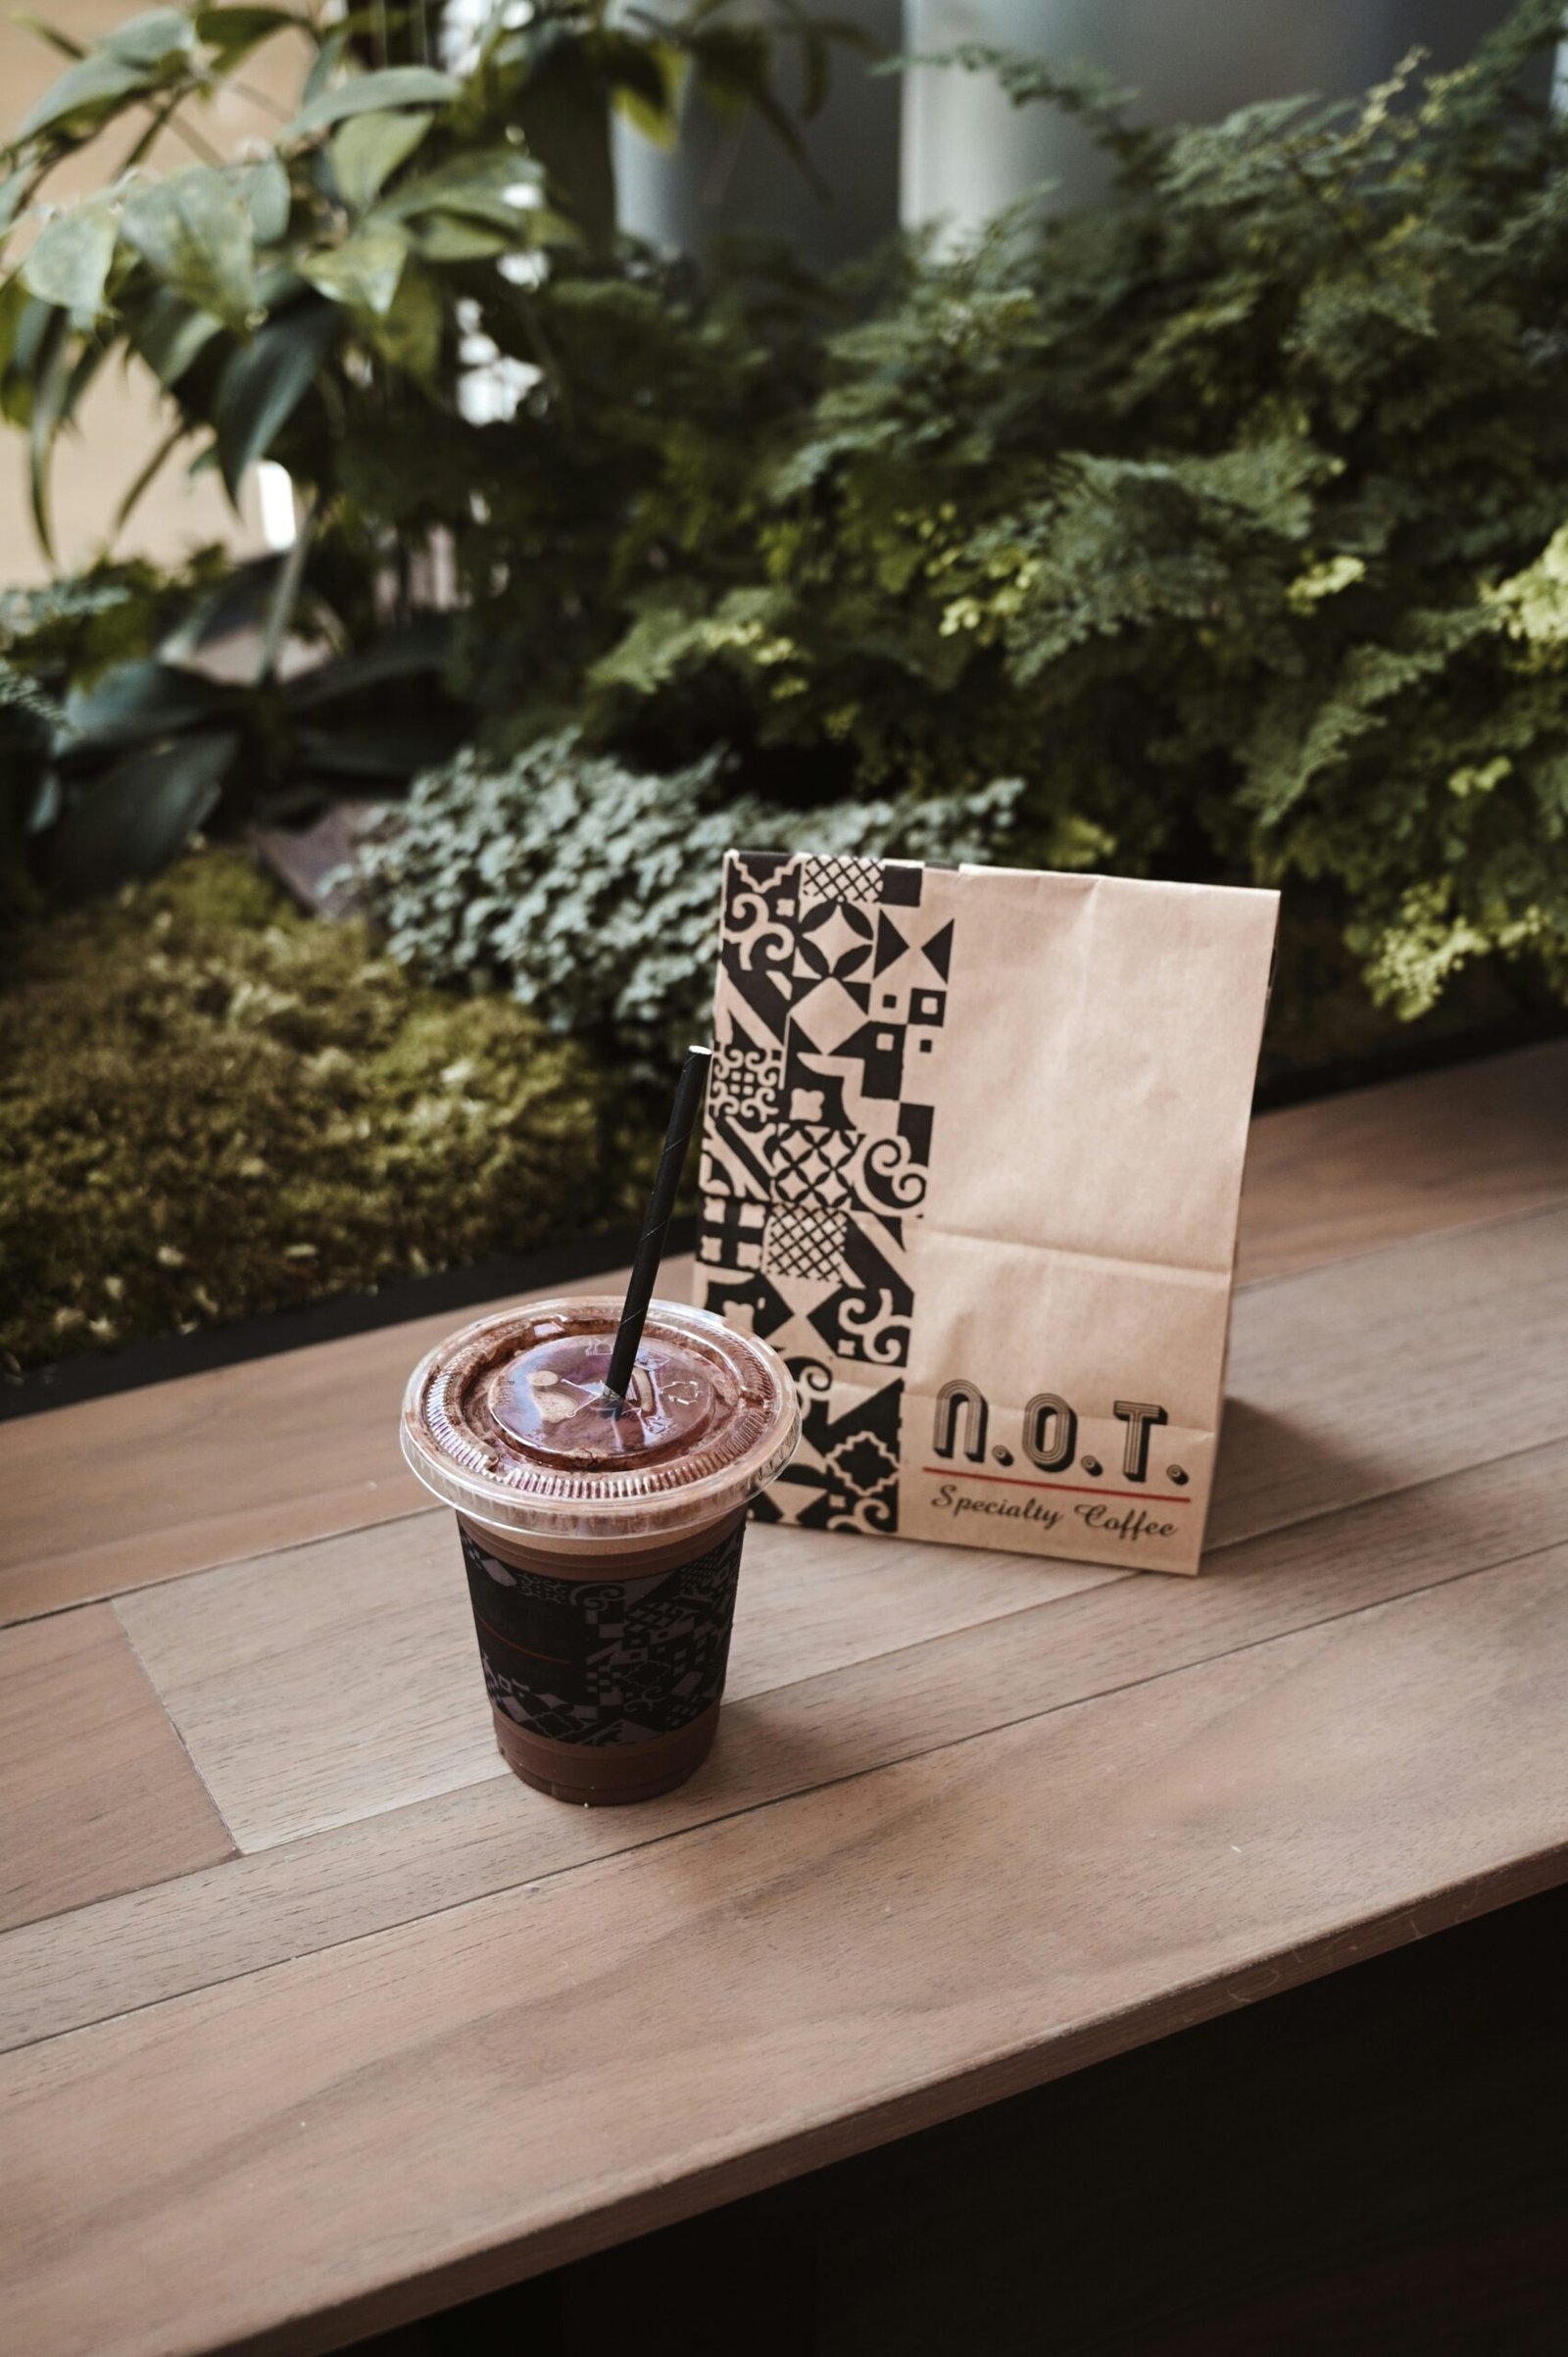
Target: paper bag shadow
{"type": "Point", "coordinates": [1273, 1469]}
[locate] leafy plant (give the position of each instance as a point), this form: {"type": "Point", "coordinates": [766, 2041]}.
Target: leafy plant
{"type": "Point", "coordinates": [590, 892]}
{"type": "Point", "coordinates": [319, 301]}
{"type": "Point", "coordinates": [1231, 517]}
{"type": "Point", "coordinates": [47, 638]}
{"type": "Point", "coordinates": [212, 1106]}
{"type": "Point", "coordinates": [147, 739]}
{"type": "Point", "coordinates": [1226, 517]}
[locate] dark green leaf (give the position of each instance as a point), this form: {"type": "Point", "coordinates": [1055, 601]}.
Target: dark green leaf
{"type": "Point", "coordinates": [368, 93]}
{"type": "Point", "coordinates": [52, 384]}
{"type": "Point", "coordinates": [21, 694]}
{"type": "Point", "coordinates": [68, 261]}
{"type": "Point", "coordinates": [409, 336]}
{"type": "Point", "coordinates": [264, 382]}
{"type": "Point", "coordinates": [165, 449]}
{"type": "Point", "coordinates": [12, 189]}
{"type": "Point", "coordinates": [735, 73]}
{"type": "Point", "coordinates": [443, 240]}
{"type": "Point", "coordinates": [732, 62]}
{"type": "Point", "coordinates": [26, 324]}
{"type": "Point", "coordinates": [372, 751]}
{"type": "Point", "coordinates": [263, 189]}
{"type": "Point", "coordinates": [240, 601]}
{"type": "Point", "coordinates": [83, 369]}
{"type": "Point", "coordinates": [363, 271]}
{"type": "Point", "coordinates": [26, 783]}
{"type": "Point", "coordinates": [234, 31]}
{"type": "Point", "coordinates": [195, 235]}
{"type": "Point", "coordinates": [46, 810]}
{"type": "Point", "coordinates": [368, 149]}
{"type": "Point", "coordinates": [328, 57]}
{"type": "Point", "coordinates": [133, 820]}
{"type": "Point", "coordinates": [85, 95]}
{"type": "Point", "coordinates": [278, 286]}
{"type": "Point", "coordinates": [818, 76]}
{"type": "Point", "coordinates": [154, 41]}
{"type": "Point", "coordinates": [15, 304]}
{"type": "Point", "coordinates": [564, 112]}
{"type": "Point", "coordinates": [137, 702]}
{"type": "Point", "coordinates": [497, 185]}
{"type": "Point", "coordinates": [420, 649]}
{"type": "Point", "coordinates": [647, 78]}
{"type": "Point", "coordinates": [169, 334]}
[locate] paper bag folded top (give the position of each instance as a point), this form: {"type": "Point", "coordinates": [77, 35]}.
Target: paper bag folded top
{"type": "Point", "coordinates": [972, 1163]}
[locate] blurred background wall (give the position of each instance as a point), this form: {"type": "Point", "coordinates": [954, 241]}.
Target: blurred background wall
{"type": "Point", "coordinates": [933, 145]}
{"type": "Point", "coordinates": [922, 147]}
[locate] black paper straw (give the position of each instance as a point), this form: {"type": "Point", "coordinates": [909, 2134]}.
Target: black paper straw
{"type": "Point", "coordinates": [689, 1091]}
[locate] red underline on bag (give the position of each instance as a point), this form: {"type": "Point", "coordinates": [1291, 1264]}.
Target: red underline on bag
{"type": "Point", "coordinates": [1082, 1489]}
{"type": "Point", "coordinates": [559, 1659]}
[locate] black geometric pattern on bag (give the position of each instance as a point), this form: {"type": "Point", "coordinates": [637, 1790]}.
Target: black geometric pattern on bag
{"type": "Point", "coordinates": [762, 1309]}
{"type": "Point", "coordinates": [892, 1175]}
{"type": "Point", "coordinates": [811, 1164]}
{"type": "Point", "coordinates": [867, 1319]}
{"type": "Point", "coordinates": [817, 1151]}
{"type": "Point", "coordinates": [737, 1161]}
{"type": "Point", "coordinates": [840, 879]}
{"type": "Point", "coordinates": [804, 1243]}
{"type": "Point", "coordinates": [834, 943]}
{"type": "Point", "coordinates": [745, 1091]}
{"type": "Point", "coordinates": [733, 1236]}
{"type": "Point", "coordinates": [879, 1050]}
{"type": "Point", "coordinates": [756, 946]}
{"type": "Point", "coordinates": [745, 1082]}
{"type": "Point", "coordinates": [605, 1661]}
{"type": "Point", "coordinates": [812, 1092]}
{"type": "Point", "coordinates": [845, 1474]}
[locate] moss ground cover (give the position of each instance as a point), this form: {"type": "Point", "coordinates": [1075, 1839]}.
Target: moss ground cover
{"type": "Point", "coordinates": [212, 1106]}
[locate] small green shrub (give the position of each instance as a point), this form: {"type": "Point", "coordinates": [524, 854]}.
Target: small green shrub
{"type": "Point", "coordinates": [212, 1106]}
{"type": "Point", "coordinates": [590, 890]}
{"type": "Point", "coordinates": [590, 893]}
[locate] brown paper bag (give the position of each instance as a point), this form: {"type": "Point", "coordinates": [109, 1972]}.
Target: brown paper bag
{"type": "Point", "coordinates": [972, 1163]}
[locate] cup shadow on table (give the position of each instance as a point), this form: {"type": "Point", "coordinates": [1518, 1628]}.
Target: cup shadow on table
{"type": "Point", "coordinates": [768, 1743]}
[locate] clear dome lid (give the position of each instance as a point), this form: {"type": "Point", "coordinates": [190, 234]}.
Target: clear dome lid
{"type": "Point", "coordinates": [509, 1421]}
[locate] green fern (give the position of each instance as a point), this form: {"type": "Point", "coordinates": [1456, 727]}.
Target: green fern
{"type": "Point", "coordinates": [1227, 517]}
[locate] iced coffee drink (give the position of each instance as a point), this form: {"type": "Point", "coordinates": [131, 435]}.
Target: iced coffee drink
{"type": "Point", "coordinates": [602, 1537]}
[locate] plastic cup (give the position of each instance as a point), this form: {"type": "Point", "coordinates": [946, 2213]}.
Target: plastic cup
{"type": "Point", "coordinates": [603, 1549]}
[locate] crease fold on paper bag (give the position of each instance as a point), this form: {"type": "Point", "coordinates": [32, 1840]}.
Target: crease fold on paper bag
{"type": "Point", "coordinates": [972, 1164]}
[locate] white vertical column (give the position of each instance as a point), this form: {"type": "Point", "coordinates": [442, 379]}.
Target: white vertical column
{"type": "Point", "coordinates": [966, 149]}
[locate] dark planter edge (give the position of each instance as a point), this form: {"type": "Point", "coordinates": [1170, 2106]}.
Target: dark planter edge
{"type": "Point", "coordinates": [165, 1357]}
{"type": "Point", "coordinates": [1408, 1060]}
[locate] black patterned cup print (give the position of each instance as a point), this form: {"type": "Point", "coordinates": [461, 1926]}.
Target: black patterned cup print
{"type": "Point", "coordinates": [600, 1534]}
{"type": "Point", "coordinates": [604, 1683]}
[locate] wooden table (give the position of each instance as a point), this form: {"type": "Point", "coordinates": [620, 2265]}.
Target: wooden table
{"type": "Point", "coordinates": [313, 2020]}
